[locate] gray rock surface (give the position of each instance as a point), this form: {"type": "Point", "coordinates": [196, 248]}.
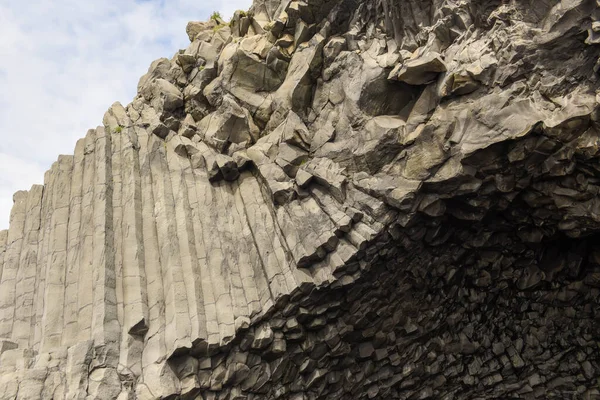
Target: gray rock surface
{"type": "Point", "coordinates": [326, 199]}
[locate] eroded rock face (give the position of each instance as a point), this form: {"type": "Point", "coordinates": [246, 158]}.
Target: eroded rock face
{"type": "Point", "coordinates": [325, 199]}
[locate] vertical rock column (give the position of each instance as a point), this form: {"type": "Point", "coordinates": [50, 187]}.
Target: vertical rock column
{"type": "Point", "coordinates": [155, 380]}
{"type": "Point", "coordinates": [85, 288]}
{"type": "Point", "coordinates": [117, 218]}
{"type": "Point", "coordinates": [105, 327]}
{"type": "Point", "coordinates": [11, 264]}
{"type": "Point", "coordinates": [3, 239]}
{"type": "Point", "coordinates": [194, 177]}
{"type": "Point", "coordinates": [27, 273]}
{"type": "Point", "coordinates": [133, 275]}
{"type": "Point", "coordinates": [43, 248]}
{"type": "Point", "coordinates": [180, 169]}
{"type": "Point", "coordinates": [234, 296]}
{"type": "Point", "coordinates": [247, 254]}
{"type": "Point", "coordinates": [74, 249]}
{"type": "Point", "coordinates": [56, 257]}
{"type": "Point", "coordinates": [178, 329]}
{"type": "Point", "coordinates": [215, 274]}
{"type": "Point", "coordinates": [155, 342]}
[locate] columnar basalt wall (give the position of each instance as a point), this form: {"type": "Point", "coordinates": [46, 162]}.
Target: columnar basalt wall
{"type": "Point", "coordinates": [326, 200]}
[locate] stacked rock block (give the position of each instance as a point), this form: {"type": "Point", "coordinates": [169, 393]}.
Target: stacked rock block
{"type": "Point", "coordinates": [325, 199]}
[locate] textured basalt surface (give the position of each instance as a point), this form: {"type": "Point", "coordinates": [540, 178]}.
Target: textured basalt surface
{"type": "Point", "coordinates": [392, 199]}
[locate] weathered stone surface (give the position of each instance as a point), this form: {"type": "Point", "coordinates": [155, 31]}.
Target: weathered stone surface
{"type": "Point", "coordinates": [419, 71]}
{"type": "Point", "coordinates": [325, 200]}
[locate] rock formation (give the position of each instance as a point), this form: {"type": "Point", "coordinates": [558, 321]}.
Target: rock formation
{"type": "Point", "coordinates": [326, 199]}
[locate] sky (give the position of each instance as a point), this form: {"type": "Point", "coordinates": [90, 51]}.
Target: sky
{"type": "Point", "coordinates": [64, 62]}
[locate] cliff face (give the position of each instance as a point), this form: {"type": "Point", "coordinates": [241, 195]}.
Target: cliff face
{"type": "Point", "coordinates": [325, 199]}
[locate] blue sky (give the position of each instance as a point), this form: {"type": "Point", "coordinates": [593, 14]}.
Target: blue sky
{"type": "Point", "coordinates": [64, 62]}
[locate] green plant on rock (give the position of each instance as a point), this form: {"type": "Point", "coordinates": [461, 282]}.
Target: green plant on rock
{"type": "Point", "coordinates": [119, 129]}
{"type": "Point", "coordinates": [216, 16]}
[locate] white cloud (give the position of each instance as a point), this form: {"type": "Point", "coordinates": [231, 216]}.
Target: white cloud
{"type": "Point", "coordinates": [64, 62]}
